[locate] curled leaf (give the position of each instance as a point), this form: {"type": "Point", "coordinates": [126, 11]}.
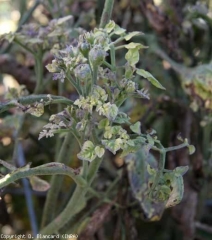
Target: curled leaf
{"type": "Point", "coordinates": [110, 26]}
{"type": "Point", "coordinates": [133, 45]}
{"type": "Point", "coordinates": [132, 34]}
{"type": "Point", "coordinates": [118, 30]}
{"type": "Point", "coordinates": [39, 184]}
{"type": "Point", "coordinates": [132, 56]}
{"type": "Point", "coordinates": [112, 145]}
{"type": "Point", "coordinates": [136, 128]}
{"type": "Point", "coordinates": [99, 151]}
{"type": "Point", "coordinates": [87, 152]}
{"type": "Point", "coordinates": [150, 78]}
{"type": "Point", "coordinates": [191, 149]}
{"type": "Point", "coordinates": [37, 110]}
{"type": "Point", "coordinates": [181, 170]}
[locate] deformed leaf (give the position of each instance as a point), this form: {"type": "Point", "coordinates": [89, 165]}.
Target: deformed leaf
{"type": "Point", "coordinates": [191, 149]}
{"type": "Point", "coordinates": [39, 184]}
{"type": "Point", "coordinates": [150, 140]}
{"type": "Point", "coordinates": [111, 112]}
{"type": "Point", "coordinates": [103, 123]}
{"type": "Point", "coordinates": [133, 45]}
{"type": "Point", "coordinates": [122, 118]}
{"type": "Point", "coordinates": [129, 148]}
{"type": "Point", "coordinates": [87, 152]}
{"type": "Point", "coordinates": [177, 188]}
{"type": "Point", "coordinates": [108, 132]}
{"type": "Point", "coordinates": [149, 76]}
{"type": "Point", "coordinates": [99, 151]}
{"type": "Point", "coordinates": [181, 170]}
{"type": "Point", "coordinates": [118, 30]}
{"type": "Point", "coordinates": [132, 56]}
{"type": "Point", "coordinates": [139, 140]}
{"type": "Point", "coordinates": [112, 145]}
{"type": "Point", "coordinates": [136, 128]}
{"type": "Point", "coordinates": [37, 110]}
{"type": "Point", "coordinates": [132, 34]}
{"type": "Point", "coordinates": [129, 70]}
{"type": "Point", "coordinates": [110, 26]}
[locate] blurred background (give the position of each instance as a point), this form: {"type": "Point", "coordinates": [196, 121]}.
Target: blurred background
{"type": "Point", "coordinates": [179, 36]}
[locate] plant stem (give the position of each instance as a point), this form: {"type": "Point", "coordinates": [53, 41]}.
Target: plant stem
{"type": "Point", "coordinates": [23, 46]}
{"type": "Point", "coordinates": [45, 169]}
{"type": "Point", "coordinates": [107, 11]}
{"type": "Point", "coordinates": [74, 84]}
{"type": "Point", "coordinates": [39, 72]}
{"type": "Point", "coordinates": [85, 169]}
{"type": "Point", "coordinates": [113, 57]}
{"type": "Point", "coordinates": [59, 109]}
{"type": "Point", "coordinates": [108, 65]}
{"type": "Point", "coordinates": [93, 168]}
{"type": "Point", "coordinates": [95, 72]}
{"type": "Point", "coordinates": [56, 182]}
{"type": "Point", "coordinates": [76, 202]}
{"type": "Point", "coordinates": [176, 147]}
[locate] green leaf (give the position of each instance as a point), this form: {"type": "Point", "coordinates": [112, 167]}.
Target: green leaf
{"type": "Point", "coordinates": [136, 128]}
{"type": "Point", "coordinates": [99, 151]}
{"type": "Point", "coordinates": [191, 149]}
{"type": "Point", "coordinates": [129, 149]}
{"type": "Point", "coordinates": [180, 171]}
{"type": "Point", "coordinates": [103, 123]}
{"type": "Point", "coordinates": [132, 34]}
{"type": "Point", "coordinates": [129, 70]}
{"type": "Point", "coordinates": [132, 56]}
{"type": "Point", "coordinates": [122, 118]}
{"type": "Point", "coordinates": [116, 130]}
{"type": "Point", "coordinates": [87, 152]}
{"type": "Point", "coordinates": [110, 26]}
{"type": "Point", "coordinates": [149, 76]}
{"type": "Point", "coordinates": [150, 140]}
{"type": "Point", "coordinates": [111, 112]}
{"type": "Point", "coordinates": [133, 45]}
{"type": "Point", "coordinates": [139, 140]}
{"type": "Point", "coordinates": [112, 145]}
{"type": "Point", "coordinates": [108, 132]}
{"type": "Point", "coordinates": [118, 30]}
{"type": "Point", "coordinates": [39, 184]}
